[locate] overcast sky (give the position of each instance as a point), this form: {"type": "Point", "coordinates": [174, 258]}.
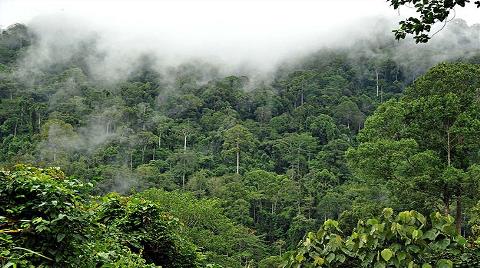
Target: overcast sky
{"type": "Point", "coordinates": [248, 15]}
{"type": "Point", "coordinates": [228, 29]}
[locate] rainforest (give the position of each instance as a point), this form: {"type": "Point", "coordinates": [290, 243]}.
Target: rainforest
{"type": "Point", "coordinates": [365, 154]}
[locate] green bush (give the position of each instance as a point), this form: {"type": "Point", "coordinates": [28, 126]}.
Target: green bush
{"type": "Point", "coordinates": [405, 240]}
{"type": "Point", "coordinates": [147, 231]}
{"type": "Point", "coordinates": [47, 220]}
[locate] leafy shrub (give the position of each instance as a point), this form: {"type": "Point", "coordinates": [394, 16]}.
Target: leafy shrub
{"type": "Point", "coordinates": [46, 220]}
{"type": "Point", "coordinates": [407, 240]}
{"type": "Point", "coordinates": [40, 215]}
{"type": "Point", "coordinates": [148, 231]}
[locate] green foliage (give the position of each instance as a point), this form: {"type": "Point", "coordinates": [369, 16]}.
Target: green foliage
{"type": "Point", "coordinates": [237, 140]}
{"type": "Point", "coordinates": [145, 230]}
{"type": "Point", "coordinates": [406, 240]}
{"type": "Point", "coordinates": [173, 141]}
{"type": "Point", "coordinates": [40, 212]}
{"type": "Point", "coordinates": [430, 12]}
{"type": "Point", "coordinates": [46, 220]}
{"type": "Point", "coordinates": [222, 240]}
{"type": "Point", "coordinates": [12, 41]}
{"type": "Point", "coordinates": [296, 149]}
{"type": "Point", "coordinates": [424, 145]}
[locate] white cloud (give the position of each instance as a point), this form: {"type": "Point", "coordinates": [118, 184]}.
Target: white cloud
{"type": "Point", "coordinates": [258, 33]}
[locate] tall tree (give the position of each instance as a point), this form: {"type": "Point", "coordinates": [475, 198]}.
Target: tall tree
{"type": "Point", "coordinates": [236, 140]}
{"type": "Point", "coordinates": [58, 138]}
{"type": "Point", "coordinates": [428, 139]}
{"type": "Point", "coordinates": [296, 150]}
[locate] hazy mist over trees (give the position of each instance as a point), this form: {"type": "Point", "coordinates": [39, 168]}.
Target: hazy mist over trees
{"type": "Point", "coordinates": [353, 150]}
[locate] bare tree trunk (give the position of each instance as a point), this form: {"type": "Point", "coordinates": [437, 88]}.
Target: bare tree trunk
{"type": "Point", "coordinates": [448, 148]}
{"type": "Point", "coordinates": [185, 142]}
{"type": "Point", "coordinates": [458, 214]}
{"type": "Point", "coordinates": [259, 211]}
{"type": "Point", "coordinates": [298, 160]}
{"type": "Point", "coordinates": [15, 129]}
{"type": "Point", "coordinates": [446, 204]}
{"type": "Point", "coordinates": [376, 73]}
{"type": "Point", "coordinates": [238, 158]}
{"type": "Point", "coordinates": [184, 163]}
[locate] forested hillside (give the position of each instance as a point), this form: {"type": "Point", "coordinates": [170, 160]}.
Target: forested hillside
{"type": "Point", "coordinates": [189, 166]}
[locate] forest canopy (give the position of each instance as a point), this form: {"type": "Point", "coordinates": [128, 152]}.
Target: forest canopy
{"type": "Point", "coordinates": [360, 156]}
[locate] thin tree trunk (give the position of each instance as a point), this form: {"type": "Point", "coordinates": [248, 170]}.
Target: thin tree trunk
{"type": "Point", "coordinates": [298, 160]}
{"type": "Point", "coordinates": [185, 142]}
{"type": "Point", "coordinates": [238, 158]}
{"type": "Point", "coordinates": [458, 214]}
{"type": "Point", "coordinates": [260, 210]}
{"type": "Point", "coordinates": [446, 203]}
{"type": "Point", "coordinates": [448, 148]}
{"type": "Point", "coordinates": [184, 163]}
{"type": "Point", "coordinates": [376, 73]}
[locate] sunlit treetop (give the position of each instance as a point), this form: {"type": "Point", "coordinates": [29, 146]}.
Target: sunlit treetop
{"type": "Point", "coordinates": [430, 12]}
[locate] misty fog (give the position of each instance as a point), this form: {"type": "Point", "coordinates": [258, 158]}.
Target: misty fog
{"type": "Point", "coordinates": [243, 37]}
